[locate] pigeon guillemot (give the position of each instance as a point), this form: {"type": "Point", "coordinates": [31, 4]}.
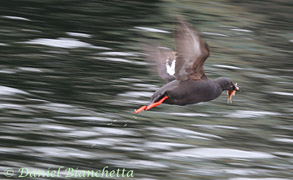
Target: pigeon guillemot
{"type": "Point", "coordinates": [183, 69]}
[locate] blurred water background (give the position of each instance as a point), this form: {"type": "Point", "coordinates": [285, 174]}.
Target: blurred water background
{"type": "Point", "coordinates": [72, 72]}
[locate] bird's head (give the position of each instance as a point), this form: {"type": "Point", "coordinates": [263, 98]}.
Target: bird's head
{"type": "Point", "coordinates": [227, 84]}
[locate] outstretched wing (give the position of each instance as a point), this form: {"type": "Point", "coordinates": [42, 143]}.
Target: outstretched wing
{"type": "Point", "coordinates": [164, 58]}
{"type": "Point", "coordinates": [192, 52]}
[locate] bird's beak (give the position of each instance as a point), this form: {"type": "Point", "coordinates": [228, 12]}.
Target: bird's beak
{"type": "Point", "coordinates": [232, 92]}
{"type": "Point", "coordinates": [236, 87]}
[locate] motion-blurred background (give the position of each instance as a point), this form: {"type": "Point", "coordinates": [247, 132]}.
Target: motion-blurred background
{"type": "Point", "coordinates": [72, 72]}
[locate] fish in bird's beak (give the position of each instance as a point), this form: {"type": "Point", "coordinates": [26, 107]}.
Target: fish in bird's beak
{"type": "Point", "coordinates": [232, 92]}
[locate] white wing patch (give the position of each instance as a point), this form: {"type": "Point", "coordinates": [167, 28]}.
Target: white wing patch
{"type": "Point", "coordinates": [170, 67]}
{"type": "Point", "coordinates": [196, 44]}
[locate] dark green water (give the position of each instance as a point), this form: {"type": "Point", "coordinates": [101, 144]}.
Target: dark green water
{"type": "Point", "coordinates": [72, 72]}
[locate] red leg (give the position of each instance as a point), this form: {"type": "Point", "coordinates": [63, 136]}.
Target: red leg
{"type": "Point", "coordinates": [140, 109]}
{"type": "Point", "coordinates": [156, 103]}
{"type": "Point", "coordinates": [146, 108]}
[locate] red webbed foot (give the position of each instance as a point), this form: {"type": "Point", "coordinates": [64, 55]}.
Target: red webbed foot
{"type": "Point", "coordinates": [146, 108]}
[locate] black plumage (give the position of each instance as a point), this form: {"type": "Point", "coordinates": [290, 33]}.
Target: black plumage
{"type": "Point", "coordinates": [184, 70]}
